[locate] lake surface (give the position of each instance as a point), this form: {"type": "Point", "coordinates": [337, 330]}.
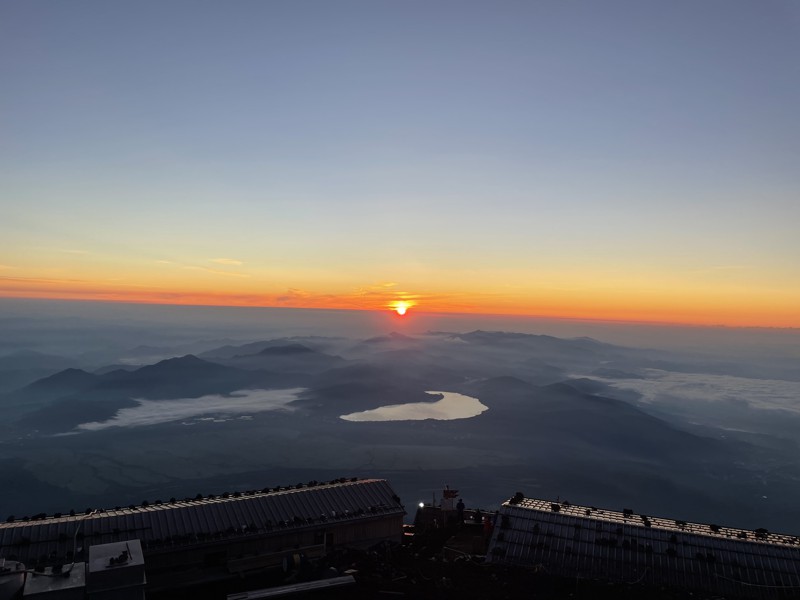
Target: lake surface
{"type": "Point", "coordinates": [452, 406]}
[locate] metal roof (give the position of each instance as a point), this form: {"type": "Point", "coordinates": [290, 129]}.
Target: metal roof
{"type": "Point", "coordinates": [629, 517]}
{"type": "Point", "coordinates": [587, 542]}
{"type": "Point", "coordinates": [193, 521]}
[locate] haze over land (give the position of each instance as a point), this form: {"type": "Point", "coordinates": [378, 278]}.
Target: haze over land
{"type": "Point", "coordinates": [153, 402]}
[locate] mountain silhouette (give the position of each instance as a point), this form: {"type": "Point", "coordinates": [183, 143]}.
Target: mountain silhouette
{"type": "Point", "coordinates": [61, 402]}
{"type": "Point", "coordinates": [289, 349]}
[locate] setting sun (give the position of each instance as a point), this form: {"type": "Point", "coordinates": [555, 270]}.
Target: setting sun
{"type": "Point", "coordinates": [400, 307]}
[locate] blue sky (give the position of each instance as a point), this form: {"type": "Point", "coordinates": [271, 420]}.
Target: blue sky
{"type": "Point", "coordinates": [450, 146]}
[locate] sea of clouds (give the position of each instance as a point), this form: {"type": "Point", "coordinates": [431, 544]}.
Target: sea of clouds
{"type": "Point", "coordinates": [763, 394]}
{"type": "Point", "coordinates": [237, 404]}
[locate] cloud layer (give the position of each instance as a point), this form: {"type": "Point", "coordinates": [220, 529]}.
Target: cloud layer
{"type": "Point", "coordinates": [155, 412]}
{"type": "Point", "coordinates": [764, 394]}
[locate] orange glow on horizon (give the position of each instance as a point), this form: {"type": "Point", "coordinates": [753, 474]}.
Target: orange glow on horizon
{"type": "Point", "coordinates": [678, 308]}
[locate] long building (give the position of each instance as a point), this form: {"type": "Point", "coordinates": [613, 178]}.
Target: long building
{"type": "Point", "coordinates": [188, 541]}
{"type": "Point", "coordinates": [586, 542]}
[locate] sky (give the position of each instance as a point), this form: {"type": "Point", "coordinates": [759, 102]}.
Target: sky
{"type": "Point", "coordinates": [634, 161]}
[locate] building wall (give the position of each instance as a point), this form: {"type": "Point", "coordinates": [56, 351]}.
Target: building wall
{"type": "Point", "coordinates": [179, 565]}
{"type": "Point", "coordinates": [354, 534]}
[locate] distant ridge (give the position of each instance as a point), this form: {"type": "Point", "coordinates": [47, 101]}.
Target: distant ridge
{"type": "Point", "coordinates": [185, 376]}
{"type": "Point", "coordinates": [391, 337]}
{"type": "Point", "coordinates": [60, 402]}
{"type": "Point", "coordinates": [230, 351]}
{"type": "Point", "coordinates": [68, 381]}
{"type": "Point", "coordinates": [287, 350]}
{"type": "Point", "coordinates": [480, 335]}
{"type": "Point", "coordinates": [76, 378]}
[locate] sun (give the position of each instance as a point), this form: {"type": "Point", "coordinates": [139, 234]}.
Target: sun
{"type": "Point", "coordinates": [400, 307]}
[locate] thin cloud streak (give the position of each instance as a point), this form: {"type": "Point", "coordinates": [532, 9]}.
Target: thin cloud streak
{"type": "Point", "coordinates": [215, 271]}
{"type": "Point", "coordinates": [46, 280]}
{"type": "Point", "coordinates": [202, 268]}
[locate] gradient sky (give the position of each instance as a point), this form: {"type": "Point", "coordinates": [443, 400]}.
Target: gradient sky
{"type": "Point", "coordinates": [615, 160]}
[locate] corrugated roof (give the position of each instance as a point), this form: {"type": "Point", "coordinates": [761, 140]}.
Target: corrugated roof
{"type": "Point", "coordinates": [581, 541]}
{"type": "Point", "coordinates": [672, 525]}
{"type": "Point", "coordinates": [199, 520]}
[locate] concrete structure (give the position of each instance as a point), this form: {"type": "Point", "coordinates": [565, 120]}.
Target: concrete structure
{"type": "Point", "coordinates": [113, 572]}
{"type": "Point", "coordinates": [71, 585]}
{"type": "Point", "coordinates": [586, 542]}
{"type": "Point", "coordinates": [12, 578]}
{"type": "Point", "coordinates": [116, 572]}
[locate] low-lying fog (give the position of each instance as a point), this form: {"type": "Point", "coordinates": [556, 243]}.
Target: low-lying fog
{"type": "Point", "coordinates": [155, 412]}
{"type": "Point", "coordinates": [659, 386]}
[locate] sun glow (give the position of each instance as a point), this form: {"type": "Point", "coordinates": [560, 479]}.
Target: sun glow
{"type": "Point", "coordinates": [400, 307]}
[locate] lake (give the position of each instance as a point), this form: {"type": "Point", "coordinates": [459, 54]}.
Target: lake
{"type": "Point", "coordinates": [450, 407]}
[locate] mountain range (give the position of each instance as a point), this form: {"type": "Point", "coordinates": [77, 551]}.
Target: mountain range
{"type": "Point", "coordinates": [558, 416]}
